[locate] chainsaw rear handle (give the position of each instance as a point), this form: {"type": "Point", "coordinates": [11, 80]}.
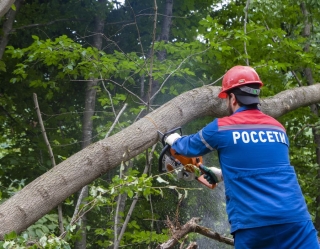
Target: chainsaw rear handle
{"type": "Point", "coordinates": [201, 178]}
{"type": "Point", "coordinates": [203, 181]}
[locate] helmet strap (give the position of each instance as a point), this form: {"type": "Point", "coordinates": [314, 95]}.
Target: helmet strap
{"type": "Point", "coordinates": [250, 90]}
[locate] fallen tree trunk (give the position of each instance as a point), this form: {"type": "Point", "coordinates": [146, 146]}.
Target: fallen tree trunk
{"type": "Point", "coordinates": [48, 190]}
{"type": "Point", "coordinates": [192, 227]}
{"type": "Point", "coordinates": [5, 5]}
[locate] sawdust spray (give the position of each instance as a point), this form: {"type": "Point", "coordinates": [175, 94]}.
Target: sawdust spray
{"type": "Point", "coordinates": [210, 206]}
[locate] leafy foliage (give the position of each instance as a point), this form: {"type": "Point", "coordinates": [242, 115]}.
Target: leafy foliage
{"type": "Point", "coordinates": [57, 59]}
{"type": "Point", "coordinates": [13, 241]}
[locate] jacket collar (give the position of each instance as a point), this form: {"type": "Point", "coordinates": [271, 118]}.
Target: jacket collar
{"type": "Point", "coordinates": [245, 108]}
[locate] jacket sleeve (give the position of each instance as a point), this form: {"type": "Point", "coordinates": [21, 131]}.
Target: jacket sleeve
{"type": "Point", "coordinates": [197, 144]}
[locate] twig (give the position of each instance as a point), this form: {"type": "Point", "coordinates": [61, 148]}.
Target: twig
{"type": "Point", "coordinates": [77, 217]}
{"type": "Point", "coordinates": [133, 94]}
{"type": "Point", "coordinates": [136, 23]}
{"type": "Point", "coordinates": [68, 20]}
{"type": "Point", "coordinates": [53, 162]}
{"type": "Point", "coordinates": [116, 120]}
{"type": "Point", "coordinates": [76, 210]}
{"type": "Point", "coordinates": [110, 97]}
{"type": "Point", "coordinates": [215, 81]}
{"type": "Point", "coordinates": [121, 198]}
{"type": "Point", "coordinates": [303, 128]}
{"type": "Point", "coordinates": [296, 77]}
{"type": "Point", "coordinates": [267, 27]}
{"type": "Point", "coordinates": [43, 24]}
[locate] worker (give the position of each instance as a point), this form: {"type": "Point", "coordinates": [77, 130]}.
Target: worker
{"type": "Point", "coordinates": [265, 205]}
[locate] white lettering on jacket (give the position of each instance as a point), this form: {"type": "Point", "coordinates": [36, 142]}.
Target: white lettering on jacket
{"type": "Point", "coordinates": [261, 136]}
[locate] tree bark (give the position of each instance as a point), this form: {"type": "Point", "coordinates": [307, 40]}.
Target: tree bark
{"type": "Point", "coordinates": [165, 28]}
{"type": "Point", "coordinates": [7, 26]}
{"type": "Point", "coordinates": [5, 5]}
{"type": "Point", "coordinates": [48, 190]}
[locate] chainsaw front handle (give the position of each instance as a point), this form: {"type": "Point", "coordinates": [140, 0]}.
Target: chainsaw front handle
{"type": "Point", "coordinates": [164, 135]}
{"type": "Point", "coordinates": [166, 147]}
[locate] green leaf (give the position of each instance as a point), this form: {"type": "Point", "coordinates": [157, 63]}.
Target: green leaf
{"type": "Point", "coordinates": [34, 37]}
{"type": "Point", "coordinates": [39, 233]}
{"type": "Point", "coordinates": [2, 66]}
{"type": "Point", "coordinates": [161, 180]}
{"type": "Point", "coordinates": [10, 236]}
{"type": "Point", "coordinates": [130, 193]}
{"type": "Point", "coordinates": [8, 244]}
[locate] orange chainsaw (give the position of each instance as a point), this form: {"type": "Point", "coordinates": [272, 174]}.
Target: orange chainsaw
{"type": "Point", "coordinates": [186, 168]}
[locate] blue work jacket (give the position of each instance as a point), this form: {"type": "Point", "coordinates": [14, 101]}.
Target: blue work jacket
{"type": "Point", "coordinates": [260, 184]}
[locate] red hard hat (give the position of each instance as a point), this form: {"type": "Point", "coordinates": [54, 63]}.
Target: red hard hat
{"type": "Point", "coordinates": [238, 76]}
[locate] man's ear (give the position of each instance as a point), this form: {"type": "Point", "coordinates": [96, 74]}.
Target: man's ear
{"type": "Point", "coordinates": [233, 99]}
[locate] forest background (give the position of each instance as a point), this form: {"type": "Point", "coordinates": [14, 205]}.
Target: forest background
{"type": "Point", "coordinates": [74, 72]}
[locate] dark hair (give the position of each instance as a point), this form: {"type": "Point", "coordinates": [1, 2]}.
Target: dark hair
{"type": "Point", "coordinates": [239, 94]}
{"type": "Point", "coordinates": [240, 103]}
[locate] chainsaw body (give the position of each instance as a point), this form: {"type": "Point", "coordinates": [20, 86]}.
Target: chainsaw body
{"type": "Point", "coordinates": [186, 168]}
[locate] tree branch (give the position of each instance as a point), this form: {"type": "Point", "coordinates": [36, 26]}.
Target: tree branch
{"type": "Point", "coordinates": [245, 31]}
{"type": "Point", "coordinates": [42, 24]}
{"type": "Point", "coordinates": [192, 227]}
{"type": "Point", "coordinates": [53, 162]}
{"type": "Point", "coordinates": [296, 77]}
{"type": "Point", "coordinates": [116, 120]}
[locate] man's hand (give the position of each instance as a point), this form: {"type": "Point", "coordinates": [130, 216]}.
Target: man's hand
{"type": "Point", "coordinates": [213, 175]}
{"type": "Point", "coordinates": [171, 138]}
